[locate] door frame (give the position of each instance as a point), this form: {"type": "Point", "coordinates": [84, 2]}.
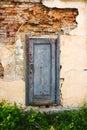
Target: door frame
{"type": "Point", "coordinates": [57, 68]}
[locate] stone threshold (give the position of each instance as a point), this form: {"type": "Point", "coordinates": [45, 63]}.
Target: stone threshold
{"type": "Point", "coordinates": [49, 109]}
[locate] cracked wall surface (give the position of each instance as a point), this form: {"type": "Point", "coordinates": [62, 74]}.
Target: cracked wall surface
{"type": "Point", "coordinates": [48, 18]}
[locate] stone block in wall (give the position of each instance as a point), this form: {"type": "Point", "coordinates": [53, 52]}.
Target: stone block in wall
{"type": "Point", "coordinates": [33, 1]}
{"type": "Point", "coordinates": [2, 35]}
{"type": "Point", "coordinates": [7, 6]}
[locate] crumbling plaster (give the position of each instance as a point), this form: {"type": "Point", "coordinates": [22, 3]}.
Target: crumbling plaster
{"type": "Point", "coordinates": [73, 74]}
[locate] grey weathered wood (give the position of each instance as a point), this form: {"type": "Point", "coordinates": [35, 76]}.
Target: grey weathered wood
{"type": "Point", "coordinates": [57, 67]}
{"type": "Point", "coordinates": [42, 84]}
{"type": "Point", "coordinates": [42, 69]}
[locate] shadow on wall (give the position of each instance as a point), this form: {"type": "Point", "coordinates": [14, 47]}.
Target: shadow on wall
{"type": "Point", "coordinates": [1, 71]}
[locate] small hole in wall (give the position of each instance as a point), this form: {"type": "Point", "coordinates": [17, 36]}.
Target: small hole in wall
{"type": "Point", "coordinates": [1, 71]}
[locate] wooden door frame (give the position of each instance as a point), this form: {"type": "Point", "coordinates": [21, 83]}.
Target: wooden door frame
{"type": "Point", "coordinates": [57, 68]}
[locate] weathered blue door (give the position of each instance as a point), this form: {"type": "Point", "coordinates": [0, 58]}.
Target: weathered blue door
{"type": "Point", "coordinates": [41, 71]}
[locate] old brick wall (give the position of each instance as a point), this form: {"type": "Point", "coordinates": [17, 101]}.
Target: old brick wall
{"type": "Point", "coordinates": [34, 18]}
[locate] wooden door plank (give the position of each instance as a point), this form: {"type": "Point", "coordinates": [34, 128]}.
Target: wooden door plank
{"type": "Point", "coordinates": [42, 69]}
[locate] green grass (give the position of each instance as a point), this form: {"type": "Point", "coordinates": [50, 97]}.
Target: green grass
{"type": "Point", "coordinates": [13, 117]}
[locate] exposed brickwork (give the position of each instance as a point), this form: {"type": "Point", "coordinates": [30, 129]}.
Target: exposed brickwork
{"type": "Point", "coordinates": [34, 18]}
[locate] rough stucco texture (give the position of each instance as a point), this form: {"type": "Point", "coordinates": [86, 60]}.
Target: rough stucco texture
{"type": "Point", "coordinates": [13, 91]}
{"type": "Point", "coordinates": [74, 70]}
{"type": "Point", "coordinates": [34, 18]}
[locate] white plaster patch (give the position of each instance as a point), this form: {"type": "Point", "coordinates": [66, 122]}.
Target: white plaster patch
{"type": "Point", "coordinates": [63, 4]}
{"type": "Point", "coordinates": [19, 59]}
{"type": "Point", "coordinates": [81, 29]}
